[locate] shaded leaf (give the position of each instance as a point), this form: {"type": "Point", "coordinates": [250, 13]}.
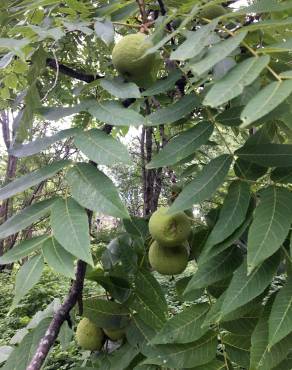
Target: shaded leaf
{"type": "Point", "coordinates": [184, 327]}
{"type": "Point", "coordinates": [58, 258]}
{"type": "Point", "coordinates": [105, 314]}
{"type": "Point", "coordinates": [163, 85]}
{"type": "Point", "coordinates": [272, 220]}
{"type": "Point", "coordinates": [232, 85]}
{"type": "Point", "coordinates": [232, 213]}
{"type": "Point", "coordinates": [247, 170]}
{"type": "Point", "coordinates": [31, 179]}
{"type": "Point", "coordinates": [265, 101]}
{"type": "Point", "coordinates": [34, 147]}
{"type": "Point", "coordinates": [69, 224]}
{"type": "Point", "coordinates": [23, 249]}
{"type": "Point", "coordinates": [122, 357]}
{"type": "Point", "coordinates": [243, 288]}
{"type": "Point", "coordinates": [183, 355]}
{"type": "Point", "coordinates": [101, 147]}
{"type": "Point", "coordinates": [26, 217]}
{"type": "Point", "coordinates": [282, 175]}
{"type": "Point", "coordinates": [204, 185]}
{"type": "Point", "coordinates": [182, 145]}
{"type": "Point", "coordinates": [215, 269]}
{"type": "Point", "coordinates": [261, 357]}
{"type": "Point", "coordinates": [173, 112]}
{"type": "Point", "coordinates": [230, 117]}
{"type": "Point", "coordinates": [28, 275]}
{"type": "Point", "coordinates": [280, 320]}
{"type": "Point", "coordinates": [95, 191]}
{"type": "Point", "coordinates": [121, 89]}
{"type": "Point", "coordinates": [194, 43]}
{"type": "Point", "coordinates": [267, 155]}
{"type": "Point", "coordinates": [149, 302]}
{"type": "Point", "coordinates": [216, 53]}
{"type": "Point", "coordinates": [237, 347]}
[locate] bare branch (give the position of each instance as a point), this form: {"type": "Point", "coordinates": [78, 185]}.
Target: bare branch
{"type": "Point", "coordinates": [82, 76]}
{"type": "Point", "coordinates": [59, 317]}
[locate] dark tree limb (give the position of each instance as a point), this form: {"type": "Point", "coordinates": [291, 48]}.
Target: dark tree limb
{"type": "Point", "coordinates": [162, 7]}
{"type": "Point", "coordinates": [82, 76]}
{"type": "Point", "coordinates": [74, 297]}
{"type": "Point", "coordinates": [59, 317]}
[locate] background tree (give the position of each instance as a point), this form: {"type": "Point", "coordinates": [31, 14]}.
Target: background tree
{"type": "Point", "coordinates": [210, 98]}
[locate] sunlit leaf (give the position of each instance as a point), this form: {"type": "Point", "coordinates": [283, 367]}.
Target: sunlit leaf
{"type": "Point", "coordinates": [101, 147]}
{"type": "Point", "coordinates": [94, 190]}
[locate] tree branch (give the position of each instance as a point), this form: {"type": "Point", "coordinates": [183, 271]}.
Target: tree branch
{"type": "Point", "coordinates": [59, 317]}
{"type": "Point", "coordinates": [162, 7]}
{"type": "Point", "coordinates": [74, 297]}
{"type": "Point", "coordinates": [82, 76]}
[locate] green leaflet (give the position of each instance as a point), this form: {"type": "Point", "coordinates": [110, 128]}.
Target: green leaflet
{"type": "Point", "coordinates": [272, 220]}
{"type": "Point", "coordinates": [215, 269]}
{"type": "Point", "coordinates": [69, 223]}
{"type": "Point", "coordinates": [101, 147]}
{"type": "Point", "coordinates": [280, 320]}
{"type": "Point", "coordinates": [58, 258]}
{"type": "Point", "coordinates": [173, 112]}
{"type": "Point", "coordinates": [23, 353]}
{"type": "Point", "coordinates": [26, 217]}
{"type": "Point", "coordinates": [31, 179]}
{"type": "Point", "coordinates": [195, 42]}
{"type": "Point", "coordinates": [204, 185]}
{"type": "Point", "coordinates": [23, 249]}
{"type": "Point", "coordinates": [183, 145]}
{"type": "Point", "coordinates": [243, 288]}
{"type": "Point", "coordinates": [261, 356]}
{"type": "Point", "coordinates": [216, 53]}
{"type": "Point", "coordinates": [183, 355]}
{"type": "Point", "coordinates": [105, 314]}
{"type": "Point", "coordinates": [94, 190]}
{"type": "Point", "coordinates": [149, 301]}
{"type": "Point", "coordinates": [184, 327]}
{"type": "Point", "coordinates": [120, 89]}
{"type": "Point", "coordinates": [265, 101]}
{"type": "Point", "coordinates": [164, 85]}
{"type": "Point", "coordinates": [267, 155]}
{"type": "Point", "coordinates": [282, 175]}
{"type": "Point", "coordinates": [28, 275]}
{"type": "Point", "coordinates": [233, 83]}
{"type": "Point", "coordinates": [40, 144]}
{"type": "Point", "coordinates": [232, 213]}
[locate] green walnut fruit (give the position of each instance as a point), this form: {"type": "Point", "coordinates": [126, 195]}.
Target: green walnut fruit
{"type": "Point", "coordinates": [169, 230]}
{"type": "Point", "coordinates": [128, 58]}
{"type": "Point", "coordinates": [213, 11]}
{"type": "Point", "coordinates": [89, 336]}
{"type": "Point", "coordinates": [114, 334]}
{"type": "Point", "coordinates": [168, 261]}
